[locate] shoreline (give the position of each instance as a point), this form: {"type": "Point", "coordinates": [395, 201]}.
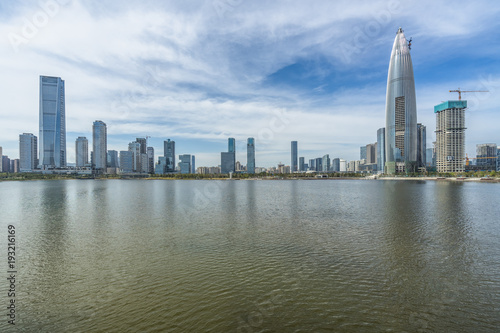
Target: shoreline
{"type": "Point", "coordinates": [387, 178]}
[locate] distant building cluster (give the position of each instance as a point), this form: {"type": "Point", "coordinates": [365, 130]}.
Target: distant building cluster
{"type": "Point", "coordinates": [400, 147]}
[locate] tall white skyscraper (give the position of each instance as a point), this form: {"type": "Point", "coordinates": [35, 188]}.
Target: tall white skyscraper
{"type": "Point", "coordinates": [52, 122]}
{"type": "Point", "coordinates": [401, 110]}
{"type": "Point", "coordinates": [27, 152]}
{"type": "Point", "coordinates": [82, 151]}
{"type": "Point", "coordinates": [99, 145]}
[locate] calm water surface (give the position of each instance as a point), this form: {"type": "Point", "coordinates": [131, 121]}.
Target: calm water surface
{"type": "Point", "coordinates": [253, 256]}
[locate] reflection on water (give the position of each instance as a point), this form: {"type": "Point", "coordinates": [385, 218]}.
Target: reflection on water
{"type": "Point", "coordinates": [255, 256]}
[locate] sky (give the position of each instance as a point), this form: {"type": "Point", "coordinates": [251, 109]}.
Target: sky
{"type": "Point", "coordinates": [199, 72]}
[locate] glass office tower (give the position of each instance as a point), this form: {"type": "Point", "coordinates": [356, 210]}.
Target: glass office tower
{"type": "Point", "coordinates": [294, 158]}
{"type": "Point", "coordinates": [52, 122]}
{"type": "Point", "coordinates": [251, 155]}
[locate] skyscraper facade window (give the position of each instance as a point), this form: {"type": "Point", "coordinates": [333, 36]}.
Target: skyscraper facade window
{"type": "Point", "coordinates": [99, 145]}
{"type": "Point", "coordinates": [52, 120]}
{"type": "Point", "coordinates": [27, 152]}
{"type": "Point", "coordinates": [81, 151]}
{"type": "Point", "coordinates": [401, 109]}
{"type": "Point", "coordinates": [294, 157]}
{"type": "Point", "coordinates": [251, 155]}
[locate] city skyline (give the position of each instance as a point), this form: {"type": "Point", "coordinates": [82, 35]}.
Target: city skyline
{"type": "Point", "coordinates": [321, 82]}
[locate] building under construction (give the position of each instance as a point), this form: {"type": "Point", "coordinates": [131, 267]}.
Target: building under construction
{"type": "Point", "coordinates": [450, 136]}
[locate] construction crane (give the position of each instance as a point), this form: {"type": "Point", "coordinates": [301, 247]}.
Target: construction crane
{"type": "Point", "coordinates": [467, 159]}
{"type": "Point", "coordinates": [466, 91]}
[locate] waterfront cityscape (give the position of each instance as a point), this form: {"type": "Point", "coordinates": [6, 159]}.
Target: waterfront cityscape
{"type": "Point", "coordinates": [250, 166]}
{"type": "Point", "coordinates": [400, 147]}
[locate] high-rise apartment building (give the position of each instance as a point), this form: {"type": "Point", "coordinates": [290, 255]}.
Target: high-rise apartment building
{"type": "Point", "coordinates": [318, 164]}
{"type": "Point", "coordinates": [143, 143]}
{"type": "Point", "coordinates": [312, 164]}
{"type": "Point", "coordinates": [27, 152]}
{"type": "Point", "coordinates": [401, 110]}
{"type": "Point", "coordinates": [421, 145]}
{"type": "Point", "coordinates": [99, 145]}
{"type": "Point", "coordinates": [251, 155]}
{"type": "Point", "coordinates": [450, 136]}
{"type": "Point", "coordinates": [135, 149]}
{"type": "Point", "coordinates": [14, 165]}
{"type": "Point", "coordinates": [343, 165]}
{"type": "Point", "coordinates": [5, 164]}
{"type": "Point", "coordinates": [52, 120]}
{"type": "Point", "coordinates": [336, 165]}
{"type": "Point", "coordinates": [81, 151]}
{"type": "Point", "coordinates": [169, 153]}
{"type": "Point", "coordinates": [294, 157]}
{"type": "Point", "coordinates": [325, 163]}
{"type": "Point", "coordinates": [371, 153]}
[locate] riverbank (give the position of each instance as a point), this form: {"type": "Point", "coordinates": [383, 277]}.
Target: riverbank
{"type": "Point", "coordinates": [453, 179]}
{"type": "Point", "coordinates": [33, 176]}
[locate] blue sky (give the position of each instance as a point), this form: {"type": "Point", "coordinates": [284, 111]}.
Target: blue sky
{"type": "Point", "coordinates": [199, 72]}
